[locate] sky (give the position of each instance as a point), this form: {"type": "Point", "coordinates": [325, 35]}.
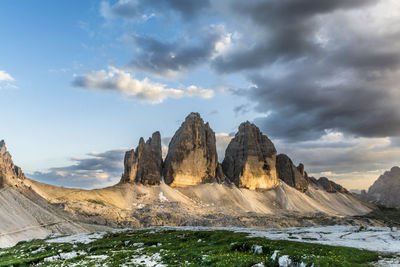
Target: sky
{"type": "Point", "coordinates": [82, 81]}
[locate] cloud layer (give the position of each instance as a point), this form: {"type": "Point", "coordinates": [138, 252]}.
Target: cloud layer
{"type": "Point", "coordinates": [144, 90]}
{"type": "Point", "coordinates": [321, 68]}
{"type": "Point", "coordinates": [95, 171]}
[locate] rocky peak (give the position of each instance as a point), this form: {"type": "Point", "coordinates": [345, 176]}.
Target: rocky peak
{"type": "Point", "coordinates": [250, 159]}
{"type": "Point", "coordinates": [9, 173]}
{"type": "Point", "coordinates": [192, 155]}
{"type": "Point", "coordinates": [290, 174]}
{"type": "Point", "coordinates": [144, 165]}
{"type": "Point", "coordinates": [385, 190]}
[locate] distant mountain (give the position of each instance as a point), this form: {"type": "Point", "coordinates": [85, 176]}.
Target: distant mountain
{"type": "Point", "coordinates": [385, 190]}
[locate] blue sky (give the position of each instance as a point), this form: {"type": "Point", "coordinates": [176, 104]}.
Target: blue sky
{"type": "Point", "coordinates": [83, 78]}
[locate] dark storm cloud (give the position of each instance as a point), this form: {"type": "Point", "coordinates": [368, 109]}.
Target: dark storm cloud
{"type": "Point", "coordinates": [285, 30]}
{"type": "Point", "coordinates": [133, 10]}
{"type": "Point", "coordinates": [315, 67]}
{"type": "Point", "coordinates": [96, 171]}
{"type": "Point", "coordinates": [241, 109]}
{"type": "Point", "coordinates": [169, 58]}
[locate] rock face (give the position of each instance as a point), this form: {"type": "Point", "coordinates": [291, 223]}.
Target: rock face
{"type": "Point", "coordinates": [294, 176]}
{"type": "Point", "coordinates": [192, 155]}
{"type": "Point", "coordinates": [9, 173]}
{"type": "Point", "coordinates": [250, 159]}
{"type": "Point", "coordinates": [144, 165]}
{"type": "Point", "coordinates": [385, 190]}
{"type": "Point", "coordinates": [328, 185]}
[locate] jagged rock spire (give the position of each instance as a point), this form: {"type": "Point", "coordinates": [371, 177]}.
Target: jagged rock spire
{"type": "Point", "coordinates": [250, 159]}
{"type": "Point", "coordinates": [9, 173]}
{"type": "Point", "coordinates": [294, 176]}
{"type": "Point", "coordinates": [192, 155]}
{"type": "Point", "coordinates": [144, 165]}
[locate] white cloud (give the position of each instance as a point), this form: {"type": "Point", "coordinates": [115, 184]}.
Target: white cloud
{"type": "Point", "coordinates": [222, 140]}
{"type": "Point", "coordinates": [4, 76]}
{"type": "Point", "coordinates": [144, 90]}
{"type": "Point", "coordinates": [5, 80]}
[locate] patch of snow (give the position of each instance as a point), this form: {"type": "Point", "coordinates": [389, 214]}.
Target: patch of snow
{"type": "Point", "coordinates": [162, 197]}
{"type": "Point", "coordinates": [257, 249]}
{"type": "Point", "coordinates": [98, 257]}
{"type": "Point", "coordinates": [391, 262]}
{"type": "Point", "coordinates": [41, 249]}
{"type": "Point", "coordinates": [138, 244]}
{"type": "Point", "coordinates": [65, 256]}
{"type": "Point", "coordinates": [79, 238]}
{"type": "Point", "coordinates": [259, 265]}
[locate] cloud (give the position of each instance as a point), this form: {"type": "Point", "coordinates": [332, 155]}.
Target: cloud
{"type": "Point", "coordinates": [344, 158]}
{"type": "Point", "coordinates": [222, 142]}
{"type": "Point", "coordinates": [282, 30]}
{"type": "Point", "coordinates": [5, 79]}
{"type": "Point", "coordinates": [309, 76]}
{"type": "Point", "coordinates": [96, 171]}
{"type": "Point", "coordinates": [171, 59]}
{"type": "Point", "coordinates": [144, 90]}
{"type": "Point", "coordinates": [134, 9]}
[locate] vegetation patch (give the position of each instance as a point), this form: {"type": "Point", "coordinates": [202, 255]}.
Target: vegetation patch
{"type": "Point", "coordinates": [166, 247]}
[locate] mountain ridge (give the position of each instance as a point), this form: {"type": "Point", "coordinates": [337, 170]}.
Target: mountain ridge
{"type": "Point", "coordinates": [190, 186]}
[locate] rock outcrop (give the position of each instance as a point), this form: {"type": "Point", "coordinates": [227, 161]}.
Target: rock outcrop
{"type": "Point", "coordinates": [144, 165]}
{"type": "Point", "coordinates": [328, 185]}
{"type": "Point", "coordinates": [294, 176]}
{"type": "Point", "coordinates": [250, 159]}
{"type": "Point", "coordinates": [192, 155]}
{"type": "Point", "coordinates": [9, 173]}
{"type": "Point", "coordinates": [385, 190]}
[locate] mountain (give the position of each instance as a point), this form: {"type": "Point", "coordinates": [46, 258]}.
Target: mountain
{"type": "Point", "coordinates": [385, 190]}
{"type": "Point", "coordinates": [24, 214]}
{"type": "Point", "coordinates": [192, 154]}
{"type": "Point", "coordinates": [254, 186]}
{"type": "Point", "coordinates": [250, 159]}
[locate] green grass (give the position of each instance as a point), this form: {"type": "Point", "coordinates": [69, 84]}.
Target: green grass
{"type": "Point", "coordinates": [183, 248]}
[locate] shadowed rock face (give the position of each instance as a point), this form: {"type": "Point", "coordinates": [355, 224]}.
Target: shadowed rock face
{"type": "Point", "coordinates": [328, 185]}
{"type": "Point", "coordinates": [294, 176]}
{"type": "Point", "coordinates": [385, 190]}
{"type": "Point", "coordinates": [144, 165]}
{"type": "Point", "coordinates": [192, 155]}
{"type": "Point", "coordinates": [9, 173]}
{"type": "Point", "coordinates": [250, 159]}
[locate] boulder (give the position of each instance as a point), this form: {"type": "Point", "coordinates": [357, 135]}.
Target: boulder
{"type": "Point", "coordinates": [192, 155]}
{"type": "Point", "coordinates": [144, 165]}
{"type": "Point", "coordinates": [250, 159]}
{"type": "Point", "coordinates": [293, 176]}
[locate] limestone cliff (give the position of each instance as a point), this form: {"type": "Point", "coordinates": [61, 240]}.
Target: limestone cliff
{"type": "Point", "coordinates": [250, 159]}
{"type": "Point", "coordinates": [294, 176]}
{"type": "Point", "coordinates": [385, 190]}
{"type": "Point", "coordinates": [9, 173]}
{"type": "Point", "coordinates": [144, 165]}
{"type": "Point", "coordinates": [192, 155]}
